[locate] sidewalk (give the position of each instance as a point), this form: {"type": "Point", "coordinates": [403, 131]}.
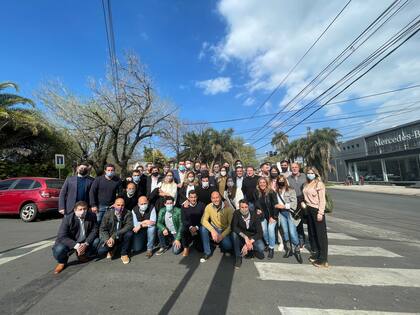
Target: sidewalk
{"type": "Point", "coordinates": [394, 190]}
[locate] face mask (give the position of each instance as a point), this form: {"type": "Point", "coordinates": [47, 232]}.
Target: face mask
{"type": "Point", "coordinates": [274, 175]}
{"type": "Point", "coordinates": [223, 173]}
{"type": "Point", "coordinates": [136, 179]}
{"type": "Point", "coordinates": [169, 207]}
{"type": "Point", "coordinates": [281, 184]}
{"type": "Point", "coordinates": [83, 172]}
{"type": "Point", "coordinates": [205, 184]}
{"type": "Point", "coordinates": [244, 213]}
{"type": "Point", "coordinates": [80, 214]}
{"type": "Point", "coordinates": [155, 174]}
{"type": "Point", "coordinates": [190, 179]}
{"type": "Point", "coordinates": [143, 207]}
{"type": "Point", "coordinates": [110, 174]}
{"type": "Point", "coordinates": [131, 192]}
{"type": "Point", "coordinates": [188, 166]}
{"type": "Point", "coordinates": [310, 176]}
{"type": "Point", "coordinates": [182, 168]}
{"type": "Point", "coordinates": [230, 184]}
{"type": "Point", "coordinates": [284, 170]}
{"type": "Point", "coordinates": [118, 210]}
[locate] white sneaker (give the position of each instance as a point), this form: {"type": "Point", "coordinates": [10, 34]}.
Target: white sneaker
{"type": "Point", "coordinates": [281, 247]}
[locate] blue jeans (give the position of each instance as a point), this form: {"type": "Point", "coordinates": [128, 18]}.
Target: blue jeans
{"type": "Point", "coordinates": [289, 228]}
{"type": "Point", "coordinates": [225, 245]}
{"type": "Point", "coordinates": [238, 243]}
{"type": "Point", "coordinates": [100, 214]}
{"type": "Point", "coordinates": [144, 237]}
{"type": "Point", "coordinates": [269, 232]}
{"type": "Point", "coordinates": [122, 244]}
{"type": "Point", "coordinates": [166, 241]}
{"type": "Point", "coordinates": [62, 252]}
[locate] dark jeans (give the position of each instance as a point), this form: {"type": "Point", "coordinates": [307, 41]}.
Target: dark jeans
{"type": "Point", "coordinates": [238, 243]}
{"type": "Point", "coordinates": [225, 245]}
{"type": "Point", "coordinates": [167, 241]}
{"type": "Point", "coordinates": [317, 231]}
{"type": "Point", "coordinates": [301, 232]}
{"type": "Point", "coordinates": [62, 252]}
{"type": "Point", "coordinates": [187, 239]}
{"type": "Point", "coordinates": [122, 244]}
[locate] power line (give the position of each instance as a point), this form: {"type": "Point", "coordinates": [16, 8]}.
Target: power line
{"type": "Point", "coordinates": [345, 54]}
{"type": "Point", "coordinates": [300, 60]}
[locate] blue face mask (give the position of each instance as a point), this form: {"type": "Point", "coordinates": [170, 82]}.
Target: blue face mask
{"type": "Point", "coordinates": [182, 168]}
{"type": "Point", "coordinates": [110, 174]}
{"type": "Point", "coordinates": [169, 207]}
{"type": "Point", "coordinates": [311, 176]}
{"type": "Point", "coordinates": [136, 179]}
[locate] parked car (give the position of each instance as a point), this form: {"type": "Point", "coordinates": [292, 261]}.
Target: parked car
{"type": "Point", "coordinates": [29, 196]}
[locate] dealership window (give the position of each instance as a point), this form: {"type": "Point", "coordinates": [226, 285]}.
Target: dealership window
{"type": "Point", "coordinates": [403, 169]}
{"type": "Point", "coordinates": [370, 170]}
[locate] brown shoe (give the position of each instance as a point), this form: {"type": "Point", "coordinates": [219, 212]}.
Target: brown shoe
{"type": "Point", "coordinates": [125, 259]}
{"type": "Point", "coordinates": [83, 258]}
{"type": "Point", "coordinates": [320, 264]}
{"type": "Point", "coordinates": [149, 254]}
{"type": "Point", "coordinates": [59, 268]}
{"type": "Point", "coordinates": [186, 252]}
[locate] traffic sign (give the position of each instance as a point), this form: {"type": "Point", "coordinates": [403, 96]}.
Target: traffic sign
{"type": "Point", "coordinates": [59, 161]}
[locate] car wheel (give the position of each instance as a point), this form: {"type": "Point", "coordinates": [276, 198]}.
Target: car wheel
{"type": "Point", "coordinates": [28, 212]}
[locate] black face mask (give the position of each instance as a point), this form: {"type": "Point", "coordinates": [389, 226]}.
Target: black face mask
{"type": "Point", "coordinates": [281, 184]}
{"type": "Point", "coordinates": [155, 174]}
{"type": "Point", "coordinates": [83, 172]}
{"type": "Point", "coordinates": [274, 175]}
{"type": "Point", "coordinates": [284, 170]}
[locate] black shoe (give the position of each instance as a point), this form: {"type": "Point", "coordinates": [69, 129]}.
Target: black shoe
{"type": "Point", "coordinates": [259, 255]}
{"type": "Point", "coordinates": [250, 255]}
{"type": "Point", "coordinates": [266, 248]}
{"type": "Point", "coordinates": [287, 250]}
{"type": "Point", "coordinates": [270, 253]}
{"type": "Point", "coordinates": [238, 262]}
{"type": "Point", "coordinates": [313, 257]}
{"type": "Point", "coordinates": [204, 258]}
{"type": "Point", "coordinates": [298, 255]}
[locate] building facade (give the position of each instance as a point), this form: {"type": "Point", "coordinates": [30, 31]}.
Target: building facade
{"type": "Point", "coordinates": [391, 155]}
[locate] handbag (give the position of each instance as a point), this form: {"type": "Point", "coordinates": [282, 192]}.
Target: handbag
{"type": "Point", "coordinates": [295, 213]}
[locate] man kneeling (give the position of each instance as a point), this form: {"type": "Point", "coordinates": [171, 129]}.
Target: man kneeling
{"type": "Point", "coordinates": [144, 220]}
{"type": "Point", "coordinates": [169, 227]}
{"type": "Point", "coordinates": [246, 233]}
{"type": "Point", "coordinates": [77, 233]}
{"type": "Point", "coordinates": [116, 232]}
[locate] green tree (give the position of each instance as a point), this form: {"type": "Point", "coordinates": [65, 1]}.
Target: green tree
{"type": "Point", "coordinates": [154, 156]}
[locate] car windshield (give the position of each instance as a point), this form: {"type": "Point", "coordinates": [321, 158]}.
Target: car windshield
{"type": "Point", "coordinates": [54, 183]}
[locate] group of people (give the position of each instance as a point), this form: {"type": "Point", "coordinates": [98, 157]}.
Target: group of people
{"type": "Point", "coordinates": [244, 212]}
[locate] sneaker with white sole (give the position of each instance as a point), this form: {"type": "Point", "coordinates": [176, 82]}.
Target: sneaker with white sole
{"type": "Point", "coordinates": [204, 258]}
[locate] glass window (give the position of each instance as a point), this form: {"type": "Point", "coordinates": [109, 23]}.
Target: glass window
{"type": "Point", "coordinates": [5, 184]}
{"type": "Point", "coordinates": [54, 183]}
{"type": "Point", "coordinates": [36, 185]}
{"type": "Point", "coordinates": [393, 170]}
{"type": "Point", "coordinates": [370, 170]}
{"type": "Point", "coordinates": [24, 184]}
{"type": "Point", "coordinates": [407, 168]}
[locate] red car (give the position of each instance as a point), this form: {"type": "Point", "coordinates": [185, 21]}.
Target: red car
{"type": "Point", "coordinates": [29, 196]}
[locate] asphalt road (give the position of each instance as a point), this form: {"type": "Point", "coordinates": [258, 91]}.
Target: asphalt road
{"type": "Point", "coordinates": [374, 252]}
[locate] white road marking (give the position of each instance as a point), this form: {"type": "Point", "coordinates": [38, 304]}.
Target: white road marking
{"type": "Point", "coordinates": [359, 251]}
{"type": "Point", "coordinates": [363, 276]}
{"type": "Point", "coordinates": [35, 247]}
{"type": "Point", "coordinates": [340, 236]}
{"type": "Point", "coordinates": [314, 311]}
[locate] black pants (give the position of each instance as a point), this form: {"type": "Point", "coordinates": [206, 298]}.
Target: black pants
{"type": "Point", "coordinates": [317, 231]}
{"type": "Point", "coordinates": [122, 245]}
{"type": "Point", "coordinates": [187, 238]}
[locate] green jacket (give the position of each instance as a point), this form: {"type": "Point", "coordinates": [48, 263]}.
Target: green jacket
{"type": "Point", "coordinates": [176, 218]}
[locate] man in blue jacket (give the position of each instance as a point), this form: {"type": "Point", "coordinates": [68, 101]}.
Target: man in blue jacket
{"type": "Point", "coordinates": [76, 188]}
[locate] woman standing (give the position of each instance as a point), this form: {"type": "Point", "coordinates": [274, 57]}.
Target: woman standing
{"type": "Point", "coordinates": [314, 193]}
{"type": "Point", "coordinates": [286, 197]}
{"type": "Point", "coordinates": [274, 173]}
{"type": "Point", "coordinates": [265, 205]}
{"type": "Point", "coordinates": [221, 181]}
{"type": "Point", "coordinates": [230, 194]}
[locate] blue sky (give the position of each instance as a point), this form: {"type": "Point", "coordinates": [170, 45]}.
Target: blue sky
{"type": "Point", "coordinates": [214, 59]}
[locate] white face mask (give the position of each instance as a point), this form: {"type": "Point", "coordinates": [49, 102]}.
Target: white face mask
{"type": "Point", "coordinates": [223, 173]}
{"type": "Point", "coordinates": [143, 207]}
{"type": "Point", "coordinates": [205, 184]}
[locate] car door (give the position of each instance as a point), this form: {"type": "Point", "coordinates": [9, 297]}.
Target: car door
{"type": "Point", "coordinates": [4, 194]}
{"type": "Point", "coordinates": [19, 193]}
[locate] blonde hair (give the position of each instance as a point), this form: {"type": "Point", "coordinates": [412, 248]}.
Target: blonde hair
{"type": "Point", "coordinates": [267, 189]}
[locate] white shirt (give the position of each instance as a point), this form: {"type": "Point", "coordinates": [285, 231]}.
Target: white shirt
{"type": "Point", "coordinates": [239, 181]}
{"type": "Point", "coordinates": [154, 183]}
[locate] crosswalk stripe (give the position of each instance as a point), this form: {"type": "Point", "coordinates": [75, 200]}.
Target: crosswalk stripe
{"type": "Point", "coordinates": [340, 236]}
{"type": "Point", "coordinates": [359, 251]}
{"type": "Point", "coordinates": [314, 311]}
{"type": "Point", "coordinates": [362, 276]}
{"type": "Point", "coordinates": [35, 247]}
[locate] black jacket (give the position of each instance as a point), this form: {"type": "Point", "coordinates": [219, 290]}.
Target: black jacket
{"type": "Point", "coordinates": [109, 224]}
{"type": "Point", "coordinates": [68, 193]}
{"type": "Point", "coordinates": [204, 195]}
{"type": "Point", "coordinates": [249, 186]}
{"type": "Point", "coordinates": [253, 232]}
{"type": "Point", "coordinates": [191, 216]}
{"type": "Point", "coordinates": [69, 230]}
{"type": "Point", "coordinates": [266, 203]}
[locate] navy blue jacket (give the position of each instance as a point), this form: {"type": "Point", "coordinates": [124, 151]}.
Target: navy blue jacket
{"type": "Point", "coordinates": [68, 193]}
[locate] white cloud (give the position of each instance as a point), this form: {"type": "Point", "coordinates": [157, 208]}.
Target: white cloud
{"type": "Point", "coordinates": [215, 86]}
{"type": "Point", "coordinates": [268, 37]}
{"type": "Point", "coordinates": [249, 101]}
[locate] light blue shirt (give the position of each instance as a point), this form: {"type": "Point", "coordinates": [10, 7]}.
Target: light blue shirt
{"type": "Point", "coordinates": [152, 217]}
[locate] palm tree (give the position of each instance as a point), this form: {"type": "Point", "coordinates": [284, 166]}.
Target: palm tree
{"type": "Point", "coordinates": [9, 114]}
{"type": "Point", "coordinates": [280, 140]}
